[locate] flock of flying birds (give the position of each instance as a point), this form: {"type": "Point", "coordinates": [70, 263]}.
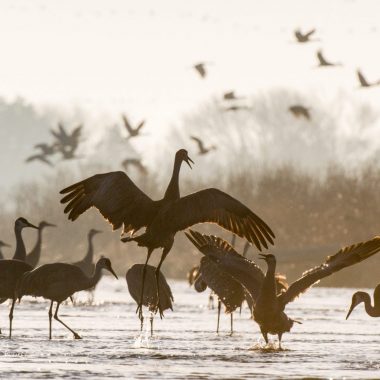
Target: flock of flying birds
{"type": "Point", "coordinates": [232, 277]}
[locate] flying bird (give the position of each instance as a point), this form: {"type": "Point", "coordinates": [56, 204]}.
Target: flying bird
{"type": "Point", "coordinates": [132, 132]}
{"type": "Point", "coordinates": [201, 69]}
{"type": "Point", "coordinates": [121, 202]}
{"type": "Point", "coordinates": [359, 297]}
{"type": "Point", "coordinates": [269, 303]}
{"type": "Point", "coordinates": [364, 82]}
{"type": "Point", "coordinates": [33, 257]}
{"type": "Point", "coordinates": [303, 37]}
{"type": "Point", "coordinates": [57, 282]}
{"type": "Point", "coordinates": [134, 277]}
{"type": "Point", "coordinates": [67, 143]}
{"type": "Point", "coordinates": [201, 147]}
{"type": "Point", "coordinates": [300, 111]}
{"type": "Point", "coordinates": [323, 62]}
{"type": "Point", "coordinates": [134, 162]}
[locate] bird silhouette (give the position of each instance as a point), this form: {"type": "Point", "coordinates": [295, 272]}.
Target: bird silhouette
{"type": "Point", "coordinates": [364, 82]}
{"type": "Point", "coordinates": [323, 62]}
{"type": "Point", "coordinates": [202, 150]}
{"type": "Point", "coordinates": [33, 257]}
{"type": "Point", "coordinates": [20, 252]}
{"type": "Point", "coordinates": [46, 149]}
{"type": "Point", "coordinates": [121, 202]}
{"type": "Point", "coordinates": [135, 162]}
{"type": "Point", "coordinates": [10, 274]}
{"type": "Point", "coordinates": [134, 277]}
{"type": "Point", "coordinates": [39, 157]}
{"type": "Point", "coordinates": [230, 95]}
{"type": "Point", "coordinates": [269, 303]}
{"type": "Point", "coordinates": [236, 108]}
{"type": "Point", "coordinates": [67, 143]}
{"type": "Point", "coordinates": [132, 132]}
{"type": "Point", "coordinates": [201, 69]}
{"type": "Point", "coordinates": [2, 245]}
{"type": "Point", "coordinates": [303, 37]}
{"type": "Point", "coordinates": [57, 282]}
{"type": "Point", "coordinates": [359, 297]}
{"type": "Point", "coordinates": [300, 111]}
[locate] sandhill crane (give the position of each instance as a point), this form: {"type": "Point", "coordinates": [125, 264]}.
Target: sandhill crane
{"type": "Point", "coordinates": [359, 297]}
{"type": "Point", "coordinates": [59, 281]}
{"type": "Point", "coordinates": [135, 162]}
{"type": "Point", "coordinates": [2, 245]}
{"type": "Point", "coordinates": [269, 304]}
{"type": "Point", "coordinates": [39, 157]}
{"type": "Point", "coordinates": [323, 62]}
{"type": "Point", "coordinates": [201, 69]}
{"type": "Point", "coordinates": [67, 143]}
{"type": "Point", "coordinates": [363, 81]}
{"type": "Point", "coordinates": [121, 202]}
{"type": "Point", "coordinates": [300, 111]}
{"type": "Point", "coordinates": [134, 277]}
{"type": "Point", "coordinates": [132, 132]}
{"type": "Point", "coordinates": [10, 274]}
{"type": "Point", "coordinates": [303, 37]}
{"type": "Point", "coordinates": [20, 252]}
{"type": "Point", "coordinates": [33, 257]}
{"type": "Point", "coordinates": [46, 149]}
{"type": "Point", "coordinates": [201, 147]}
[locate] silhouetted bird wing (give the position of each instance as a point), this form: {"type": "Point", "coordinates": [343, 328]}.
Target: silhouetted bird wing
{"type": "Point", "coordinates": [215, 206]}
{"type": "Point", "coordinates": [142, 123]}
{"type": "Point", "coordinates": [201, 69]}
{"type": "Point", "coordinates": [362, 80]}
{"type": "Point", "coordinates": [344, 258]}
{"type": "Point", "coordinates": [308, 34]}
{"type": "Point", "coordinates": [127, 125]}
{"type": "Point", "coordinates": [39, 157]}
{"type": "Point", "coordinates": [229, 95]}
{"type": "Point", "coordinates": [229, 291]}
{"type": "Point", "coordinates": [322, 60]}
{"type": "Point", "coordinates": [199, 142]}
{"type": "Point", "coordinates": [228, 260]}
{"type": "Point", "coordinates": [116, 197]}
{"type": "Point", "coordinates": [75, 134]}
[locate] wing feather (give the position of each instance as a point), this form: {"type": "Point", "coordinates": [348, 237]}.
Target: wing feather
{"type": "Point", "coordinates": [215, 206]}
{"type": "Point", "coordinates": [116, 197]}
{"type": "Point", "coordinates": [346, 257]}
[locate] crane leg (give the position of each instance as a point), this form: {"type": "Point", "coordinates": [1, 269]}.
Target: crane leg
{"type": "Point", "coordinates": [211, 301]}
{"type": "Point", "coordinates": [76, 336]}
{"type": "Point", "coordinates": [11, 317]}
{"type": "Point", "coordinates": [151, 324]}
{"type": "Point", "coordinates": [219, 307]}
{"type": "Point", "coordinates": [265, 335]}
{"type": "Point", "coordinates": [232, 323]}
{"type": "Point", "coordinates": [165, 252]}
{"type": "Point", "coordinates": [50, 316]}
{"type": "Point", "coordinates": [139, 306]}
{"type": "Point", "coordinates": [279, 341]}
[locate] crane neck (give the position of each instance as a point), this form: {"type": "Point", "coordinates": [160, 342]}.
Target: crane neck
{"type": "Point", "coordinates": [1, 255]}
{"type": "Point", "coordinates": [34, 256]}
{"type": "Point", "coordinates": [20, 253]}
{"type": "Point", "coordinates": [269, 284]}
{"type": "Point", "coordinates": [94, 279]}
{"type": "Point", "coordinates": [372, 311]}
{"type": "Point", "coordinates": [90, 250]}
{"type": "Point", "coordinates": [172, 192]}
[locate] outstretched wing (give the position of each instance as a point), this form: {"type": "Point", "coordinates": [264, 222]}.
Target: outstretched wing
{"type": "Point", "coordinates": [116, 197]}
{"type": "Point", "coordinates": [198, 141]}
{"type": "Point", "coordinates": [344, 258]}
{"type": "Point", "coordinates": [362, 80]}
{"type": "Point", "coordinates": [215, 206]}
{"type": "Point", "coordinates": [126, 124]}
{"type": "Point", "coordinates": [307, 35]}
{"type": "Point", "coordinates": [246, 272]}
{"type": "Point", "coordinates": [321, 58]}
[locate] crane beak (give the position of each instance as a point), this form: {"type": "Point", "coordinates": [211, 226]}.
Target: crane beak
{"type": "Point", "coordinates": [32, 225]}
{"type": "Point", "coordinates": [112, 271]}
{"type": "Point", "coordinates": [51, 225]}
{"type": "Point", "coordinates": [188, 160]}
{"type": "Point", "coordinates": [353, 305]}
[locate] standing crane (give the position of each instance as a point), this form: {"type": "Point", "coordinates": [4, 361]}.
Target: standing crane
{"type": "Point", "coordinates": [10, 274]}
{"type": "Point", "coordinates": [33, 257]}
{"type": "Point", "coordinates": [359, 297]}
{"type": "Point", "coordinates": [269, 303]}
{"type": "Point", "coordinates": [133, 277]}
{"type": "Point", "coordinates": [121, 202]}
{"type": "Point", "coordinates": [59, 281]}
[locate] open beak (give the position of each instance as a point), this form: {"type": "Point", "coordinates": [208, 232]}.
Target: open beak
{"type": "Point", "coordinates": [188, 160]}
{"type": "Point", "coordinates": [111, 270]}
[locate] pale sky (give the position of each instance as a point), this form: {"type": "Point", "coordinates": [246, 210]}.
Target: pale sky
{"type": "Point", "coordinates": [99, 58]}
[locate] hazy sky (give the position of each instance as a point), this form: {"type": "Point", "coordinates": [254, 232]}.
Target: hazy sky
{"type": "Point", "coordinates": [105, 57]}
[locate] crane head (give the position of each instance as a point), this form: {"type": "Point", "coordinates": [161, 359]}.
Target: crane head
{"type": "Point", "coordinates": [93, 232]}
{"type": "Point", "coordinates": [269, 258]}
{"type": "Point", "coordinates": [105, 263]}
{"type": "Point", "coordinates": [22, 223]}
{"type": "Point", "coordinates": [184, 156]}
{"type": "Point", "coordinates": [357, 298]}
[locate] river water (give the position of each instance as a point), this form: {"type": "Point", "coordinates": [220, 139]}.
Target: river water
{"type": "Point", "coordinates": [185, 344]}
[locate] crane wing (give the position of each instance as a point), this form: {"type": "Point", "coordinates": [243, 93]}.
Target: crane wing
{"type": "Point", "coordinates": [126, 124]}
{"type": "Point", "coordinates": [362, 80]}
{"type": "Point", "coordinates": [246, 272]}
{"type": "Point", "coordinates": [215, 206]}
{"type": "Point", "coordinates": [307, 35]}
{"type": "Point", "coordinates": [116, 197]}
{"type": "Point", "coordinates": [344, 258]}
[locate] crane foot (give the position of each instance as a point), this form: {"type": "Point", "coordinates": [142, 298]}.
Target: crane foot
{"type": "Point", "coordinates": [76, 336]}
